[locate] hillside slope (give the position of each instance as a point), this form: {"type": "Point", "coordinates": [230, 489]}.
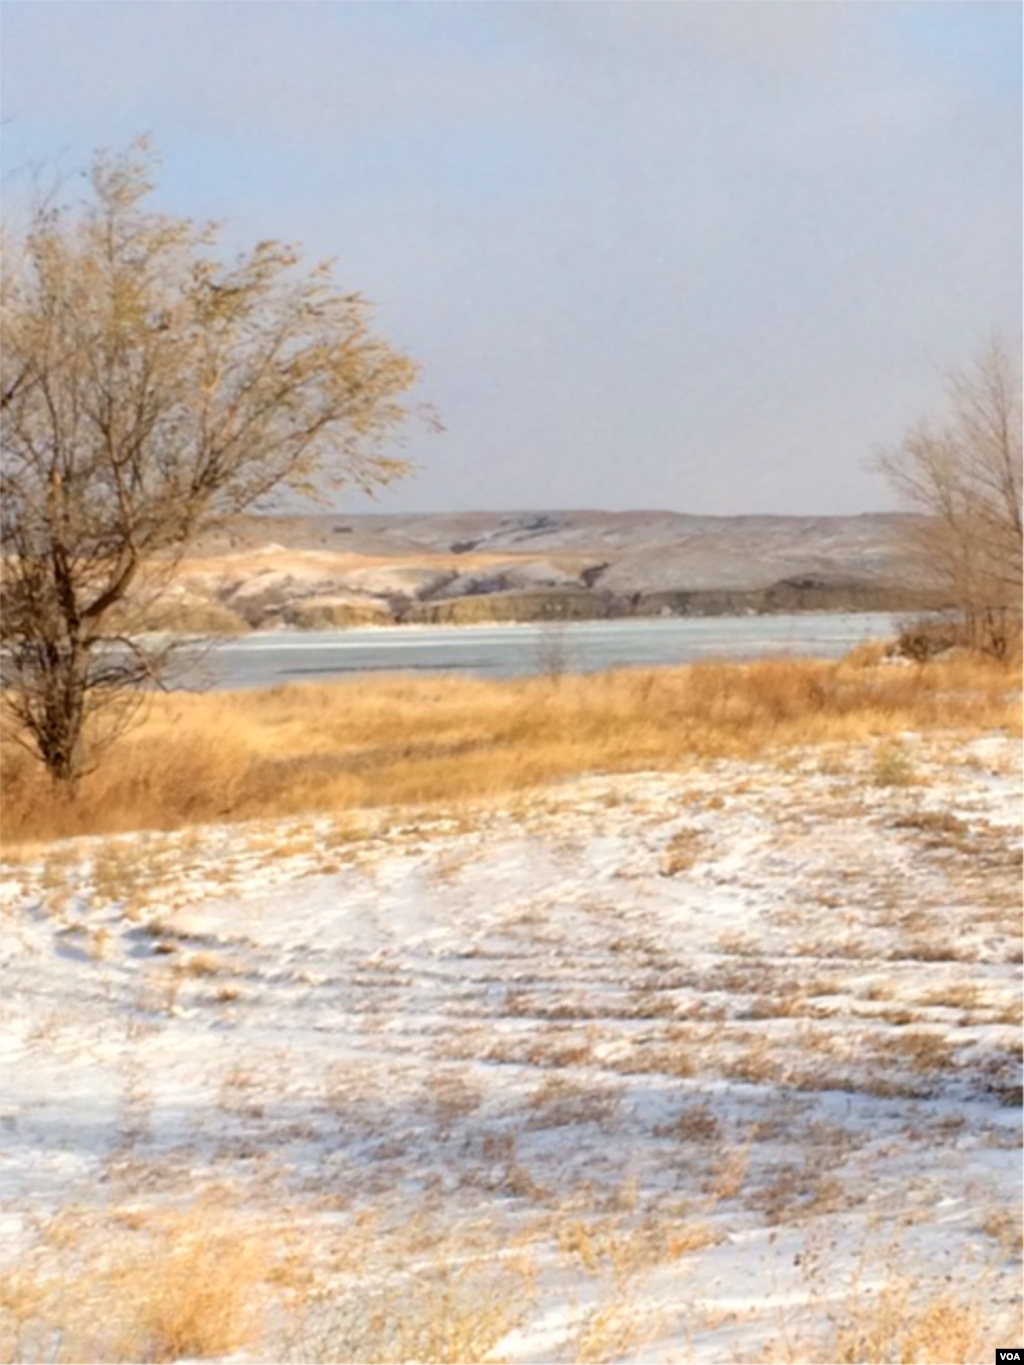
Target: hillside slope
{"type": "Point", "coordinates": [336, 570]}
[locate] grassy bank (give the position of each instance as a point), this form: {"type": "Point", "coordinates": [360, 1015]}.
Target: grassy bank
{"type": "Point", "coordinates": [396, 740]}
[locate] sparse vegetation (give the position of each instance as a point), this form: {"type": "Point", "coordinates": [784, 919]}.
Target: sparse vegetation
{"type": "Point", "coordinates": [542, 1119]}
{"type": "Point", "coordinates": [892, 766]}
{"type": "Point", "coordinates": [185, 1285]}
{"type": "Point", "coordinates": [963, 471]}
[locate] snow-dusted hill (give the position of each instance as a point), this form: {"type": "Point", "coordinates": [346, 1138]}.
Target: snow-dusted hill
{"type": "Point", "coordinates": [323, 570]}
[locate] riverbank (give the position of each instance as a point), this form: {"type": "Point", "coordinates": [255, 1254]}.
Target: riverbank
{"type": "Point", "coordinates": [392, 740]}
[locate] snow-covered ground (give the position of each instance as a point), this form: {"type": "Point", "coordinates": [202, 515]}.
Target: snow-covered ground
{"type": "Point", "coordinates": [675, 1066]}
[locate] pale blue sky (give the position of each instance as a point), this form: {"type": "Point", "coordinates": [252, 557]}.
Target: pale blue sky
{"type": "Point", "coordinates": [699, 256]}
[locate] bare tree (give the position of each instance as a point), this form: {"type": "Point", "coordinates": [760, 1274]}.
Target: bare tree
{"type": "Point", "coordinates": [964, 473]}
{"type": "Point", "coordinates": [148, 390]}
{"type": "Point", "coordinates": [553, 655]}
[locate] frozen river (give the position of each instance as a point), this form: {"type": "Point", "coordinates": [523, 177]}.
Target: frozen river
{"type": "Point", "coordinates": [504, 651]}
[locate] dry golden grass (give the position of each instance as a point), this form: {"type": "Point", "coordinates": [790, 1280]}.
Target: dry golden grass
{"type": "Point", "coordinates": [892, 766]}
{"type": "Point", "coordinates": [440, 1315]}
{"type": "Point", "coordinates": [336, 746]}
{"type": "Point", "coordinates": [895, 1324]}
{"type": "Point", "coordinates": [190, 1287]}
{"type": "Point", "coordinates": [202, 1300]}
{"type": "Point", "coordinates": [683, 850]}
{"type": "Point", "coordinates": [208, 1283]}
{"type": "Point", "coordinates": [900, 1325]}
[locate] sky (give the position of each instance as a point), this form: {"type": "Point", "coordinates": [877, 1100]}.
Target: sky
{"type": "Point", "coordinates": [700, 256]}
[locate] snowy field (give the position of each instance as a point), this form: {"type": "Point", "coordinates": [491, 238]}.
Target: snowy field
{"type": "Point", "coordinates": [714, 1065]}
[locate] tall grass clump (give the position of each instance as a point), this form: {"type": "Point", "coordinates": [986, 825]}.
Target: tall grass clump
{"type": "Point", "coordinates": [190, 1289]}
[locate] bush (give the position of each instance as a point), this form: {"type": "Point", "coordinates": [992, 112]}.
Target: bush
{"type": "Point", "coordinates": [995, 631]}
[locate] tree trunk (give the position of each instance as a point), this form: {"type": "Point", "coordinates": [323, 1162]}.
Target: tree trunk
{"type": "Point", "coordinates": [63, 706]}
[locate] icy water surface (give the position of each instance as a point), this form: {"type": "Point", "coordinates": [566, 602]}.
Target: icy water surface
{"type": "Point", "coordinates": [514, 650]}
